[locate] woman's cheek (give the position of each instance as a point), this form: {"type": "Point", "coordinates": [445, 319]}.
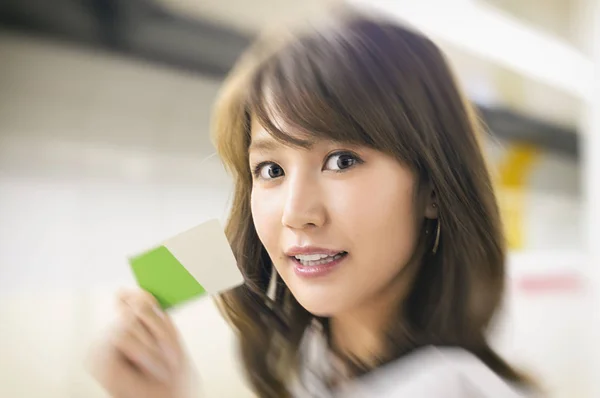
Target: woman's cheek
{"type": "Point", "coordinates": [264, 215]}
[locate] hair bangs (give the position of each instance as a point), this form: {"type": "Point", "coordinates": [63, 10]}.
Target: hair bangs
{"type": "Point", "coordinates": [320, 87]}
{"type": "Point", "coordinates": [294, 100]}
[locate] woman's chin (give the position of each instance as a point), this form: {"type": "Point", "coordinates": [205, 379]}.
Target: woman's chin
{"type": "Point", "coordinates": [322, 299]}
{"type": "Point", "coordinates": [320, 306]}
{"type": "Point", "coordinates": [321, 312]}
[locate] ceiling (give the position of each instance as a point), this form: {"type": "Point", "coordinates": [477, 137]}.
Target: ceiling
{"type": "Point", "coordinates": [561, 18]}
{"type": "Point", "coordinates": [501, 86]}
{"type": "Point", "coordinates": [250, 16]}
{"type": "Point", "coordinates": [209, 35]}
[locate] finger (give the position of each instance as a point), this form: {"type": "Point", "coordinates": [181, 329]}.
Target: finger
{"type": "Point", "coordinates": [125, 297]}
{"type": "Point", "coordinates": [146, 307]}
{"type": "Point", "coordinates": [147, 360]}
{"type": "Point", "coordinates": [161, 328]}
{"type": "Point", "coordinates": [155, 335]}
{"type": "Point", "coordinates": [107, 365]}
{"type": "Point", "coordinates": [140, 331]}
{"type": "Point", "coordinates": [133, 298]}
{"type": "Point", "coordinates": [157, 322]}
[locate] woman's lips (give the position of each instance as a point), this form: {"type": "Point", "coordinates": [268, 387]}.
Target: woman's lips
{"type": "Point", "coordinates": [315, 271]}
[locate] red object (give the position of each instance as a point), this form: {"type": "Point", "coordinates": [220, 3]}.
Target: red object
{"type": "Point", "coordinates": [549, 283]}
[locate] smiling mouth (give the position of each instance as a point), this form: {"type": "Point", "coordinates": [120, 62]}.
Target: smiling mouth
{"type": "Point", "coordinates": [311, 260]}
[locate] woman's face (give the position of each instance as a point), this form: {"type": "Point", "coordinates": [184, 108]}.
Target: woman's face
{"type": "Point", "coordinates": [338, 221]}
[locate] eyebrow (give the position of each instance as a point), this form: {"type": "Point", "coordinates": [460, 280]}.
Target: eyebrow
{"type": "Point", "coordinates": [263, 145]}
{"type": "Point", "coordinates": [271, 145]}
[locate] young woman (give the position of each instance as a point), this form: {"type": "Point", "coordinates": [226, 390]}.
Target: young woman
{"type": "Point", "coordinates": [364, 221]}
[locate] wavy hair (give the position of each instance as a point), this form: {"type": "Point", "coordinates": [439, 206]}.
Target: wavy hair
{"type": "Point", "coordinates": [363, 80]}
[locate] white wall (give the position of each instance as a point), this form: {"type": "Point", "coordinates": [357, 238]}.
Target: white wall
{"type": "Point", "coordinates": [101, 158]}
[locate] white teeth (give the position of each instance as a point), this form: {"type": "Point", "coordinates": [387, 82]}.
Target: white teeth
{"type": "Point", "coordinates": [317, 259]}
{"type": "Point", "coordinates": [312, 257]}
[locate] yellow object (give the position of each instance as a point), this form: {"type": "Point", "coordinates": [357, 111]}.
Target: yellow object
{"type": "Point", "coordinates": [514, 172]}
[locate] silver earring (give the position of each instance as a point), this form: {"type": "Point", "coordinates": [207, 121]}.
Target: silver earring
{"type": "Point", "coordinates": [436, 244]}
{"type": "Point", "coordinates": [272, 289]}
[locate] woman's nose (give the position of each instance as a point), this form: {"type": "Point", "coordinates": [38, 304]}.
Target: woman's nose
{"type": "Point", "coordinates": [304, 206]}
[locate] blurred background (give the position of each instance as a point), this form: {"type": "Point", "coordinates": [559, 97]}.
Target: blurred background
{"type": "Point", "coordinates": [104, 151]}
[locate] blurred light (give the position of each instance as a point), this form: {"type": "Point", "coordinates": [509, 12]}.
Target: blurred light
{"type": "Point", "coordinates": [489, 34]}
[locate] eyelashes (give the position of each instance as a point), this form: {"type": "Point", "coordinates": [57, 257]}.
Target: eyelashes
{"type": "Point", "coordinates": [344, 161]}
{"type": "Point", "coordinates": [339, 162]}
{"type": "Point", "coordinates": [259, 169]}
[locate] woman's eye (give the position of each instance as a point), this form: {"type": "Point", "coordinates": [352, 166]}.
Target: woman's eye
{"type": "Point", "coordinates": [268, 171]}
{"type": "Point", "coordinates": [341, 161]}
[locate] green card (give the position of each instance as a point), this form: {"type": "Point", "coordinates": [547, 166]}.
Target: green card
{"type": "Point", "coordinates": [192, 264]}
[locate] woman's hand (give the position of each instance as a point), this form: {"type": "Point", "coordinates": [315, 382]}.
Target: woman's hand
{"type": "Point", "coordinates": [143, 356]}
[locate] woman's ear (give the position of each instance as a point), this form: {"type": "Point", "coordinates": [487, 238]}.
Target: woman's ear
{"type": "Point", "coordinates": [431, 207]}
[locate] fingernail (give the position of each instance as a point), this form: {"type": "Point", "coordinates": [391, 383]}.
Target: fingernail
{"type": "Point", "coordinates": [158, 311]}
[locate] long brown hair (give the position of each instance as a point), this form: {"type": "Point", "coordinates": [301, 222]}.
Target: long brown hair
{"type": "Point", "coordinates": [366, 81]}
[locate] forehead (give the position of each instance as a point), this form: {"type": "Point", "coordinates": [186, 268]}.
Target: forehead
{"type": "Point", "coordinates": [257, 130]}
{"type": "Point", "coordinates": [286, 135]}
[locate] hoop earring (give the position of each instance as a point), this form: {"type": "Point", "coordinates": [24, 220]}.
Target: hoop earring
{"type": "Point", "coordinates": [272, 289]}
{"type": "Point", "coordinates": [436, 244]}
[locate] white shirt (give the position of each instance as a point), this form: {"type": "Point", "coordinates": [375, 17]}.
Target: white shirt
{"type": "Point", "coordinates": [432, 372]}
{"type": "Point", "coordinates": [429, 372]}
